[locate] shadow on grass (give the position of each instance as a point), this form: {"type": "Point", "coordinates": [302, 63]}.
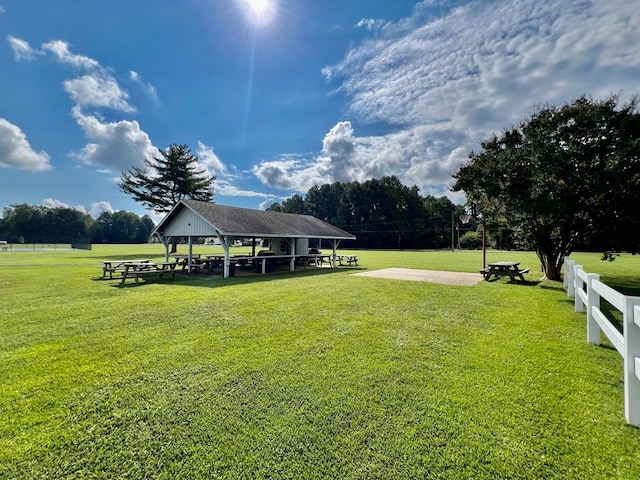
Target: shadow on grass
{"type": "Point", "coordinates": [623, 284]}
{"type": "Point", "coordinates": [552, 287]}
{"type": "Point", "coordinates": [525, 283]}
{"type": "Point", "coordinates": [217, 280]}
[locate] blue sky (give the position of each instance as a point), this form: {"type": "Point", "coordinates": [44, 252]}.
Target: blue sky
{"type": "Point", "coordinates": [276, 96]}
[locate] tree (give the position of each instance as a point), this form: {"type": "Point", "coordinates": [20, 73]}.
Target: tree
{"type": "Point", "coordinates": [168, 179]}
{"type": "Point", "coordinates": [566, 174]}
{"type": "Point", "coordinates": [294, 204]}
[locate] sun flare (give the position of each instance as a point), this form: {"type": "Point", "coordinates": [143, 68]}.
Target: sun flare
{"type": "Point", "coordinates": [260, 12]}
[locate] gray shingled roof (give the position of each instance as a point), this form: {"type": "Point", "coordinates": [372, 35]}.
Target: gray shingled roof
{"type": "Point", "coordinates": [236, 221]}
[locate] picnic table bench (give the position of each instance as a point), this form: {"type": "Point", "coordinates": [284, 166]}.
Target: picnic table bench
{"type": "Point", "coordinates": [137, 270]}
{"type": "Point", "coordinates": [504, 269]}
{"type": "Point", "coordinates": [117, 266]}
{"type": "Point", "coordinates": [349, 259]}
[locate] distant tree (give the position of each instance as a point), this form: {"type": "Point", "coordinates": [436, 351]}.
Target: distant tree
{"type": "Point", "coordinates": [294, 204]}
{"type": "Point", "coordinates": [471, 240]}
{"type": "Point", "coordinates": [275, 207]}
{"type": "Point", "coordinates": [65, 224]}
{"type": "Point", "coordinates": [24, 221]}
{"type": "Point", "coordinates": [37, 223]}
{"type": "Point", "coordinates": [145, 229]}
{"type": "Point", "coordinates": [167, 180]}
{"type": "Point", "coordinates": [121, 227]}
{"type": "Point", "coordinates": [565, 174]}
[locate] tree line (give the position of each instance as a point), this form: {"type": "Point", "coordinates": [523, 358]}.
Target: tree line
{"type": "Point", "coordinates": [381, 213]}
{"type": "Point", "coordinates": [40, 224]}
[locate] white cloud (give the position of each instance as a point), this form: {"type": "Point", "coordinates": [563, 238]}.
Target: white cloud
{"type": "Point", "coordinates": [210, 161]}
{"type": "Point", "coordinates": [447, 77]}
{"type": "Point", "coordinates": [225, 188]}
{"type": "Point", "coordinates": [268, 201]}
{"type": "Point", "coordinates": [21, 49]}
{"type": "Point", "coordinates": [53, 203]}
{"type": "Point", "coordinates": [94, 210]}
{"type": "Point", "coordinates": [118, 145]}
{"type": "Point", "coordinates": [98, 91]}
{"type": "Point", "coordinates": [16, 152]}
{"type": "Point", "coordinates": [371, 23]}
{"type": "Point", "coordinates": [60, 49]}
{"type": "Point", "coordinates": [225, 177]}
{"type": "Point", "coordinates": [410, 154]}
{"type": "Point", "coordinates": [2, 10]}
{"type": "Point", "coordinates": [287, 173]}
{"type": "Point", "coordinates": [95, 89]}
{"type": "Point", "coordinates": [97, 208]}
{"type": "Point", "coordinates": [150, 89]}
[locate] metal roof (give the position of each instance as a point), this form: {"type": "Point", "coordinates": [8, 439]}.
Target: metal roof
{"type": "Point", "coordinates": [245, 222]}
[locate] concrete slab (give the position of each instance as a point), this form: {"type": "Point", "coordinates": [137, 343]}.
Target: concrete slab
{"type": "Point", "coordinates": [432, 276]}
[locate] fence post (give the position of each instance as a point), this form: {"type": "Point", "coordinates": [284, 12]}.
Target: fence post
{"type": "Point", "coordinates": [577, 284]}
{"type": "Point", "coordinates": [631, 357]}
{"type": "Point", "coordinates": [570, 274]}
{"type": "Point", "coordinates": [593, 300]}
{"type": "Point", "coordinates": [568, 263]}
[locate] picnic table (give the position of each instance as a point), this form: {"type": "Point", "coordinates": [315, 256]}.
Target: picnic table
{"type": "Point", "coordinates": [117, 266]}
{"type": "Point", "coordinates": [183, 260]}
{"type": "Point", "coordinates": [504, 269]}
{"type": "Point", "coordinates": [349, 259]}
{"type": "Point", "coordinates": [137, 269]}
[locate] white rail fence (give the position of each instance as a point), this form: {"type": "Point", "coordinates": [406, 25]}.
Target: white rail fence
{"type": "Point", "coordinates": [588, 290]}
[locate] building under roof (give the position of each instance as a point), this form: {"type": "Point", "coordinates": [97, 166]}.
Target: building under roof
{"type": "Point", "coordinates": [288, 234]}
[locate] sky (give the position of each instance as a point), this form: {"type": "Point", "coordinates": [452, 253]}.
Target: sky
{"type": "Point", "coordinates": [276, 96]}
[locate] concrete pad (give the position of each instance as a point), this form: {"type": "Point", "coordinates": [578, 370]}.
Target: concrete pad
{"type": "Point", "coordinates": [432, 276]}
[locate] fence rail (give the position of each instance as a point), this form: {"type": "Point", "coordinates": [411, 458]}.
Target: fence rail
{"type": "Point", "coordinates": [587, 291]}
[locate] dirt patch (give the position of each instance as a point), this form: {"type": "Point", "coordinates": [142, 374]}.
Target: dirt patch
{"type": "Point", "coordinates": [432, 276]}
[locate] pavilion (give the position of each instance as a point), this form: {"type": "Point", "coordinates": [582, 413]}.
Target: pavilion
{"type": "Point", "coordinates": [287, 234]}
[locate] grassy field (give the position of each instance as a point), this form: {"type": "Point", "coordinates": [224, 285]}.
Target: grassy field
{"type": "Point", "coordinates": [317, 374]}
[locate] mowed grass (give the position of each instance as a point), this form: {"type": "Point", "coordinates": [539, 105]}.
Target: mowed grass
{"type": "Point", "coordinates": [317, 374]}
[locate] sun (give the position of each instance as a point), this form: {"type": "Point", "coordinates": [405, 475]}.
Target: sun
{"type": "Point", "coordinates": [259, 7]}
{"type": "Point", "coordinates": [260, 12]}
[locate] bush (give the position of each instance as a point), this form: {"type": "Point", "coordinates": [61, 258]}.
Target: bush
{"type": "Point", "coordinates": [471, 241]}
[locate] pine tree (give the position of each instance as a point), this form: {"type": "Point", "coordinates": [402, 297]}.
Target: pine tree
{"type": "Point", "coordinates": [168, 179]}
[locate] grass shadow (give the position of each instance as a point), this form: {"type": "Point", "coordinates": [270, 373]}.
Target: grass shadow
{"type": "Point", "coordinates": [217, 280]}
{"type": "Point", "coordinates": [552, 287]}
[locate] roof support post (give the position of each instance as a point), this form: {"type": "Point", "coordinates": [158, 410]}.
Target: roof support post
{"type": "Point", "coordinates": [334, 243]}
{"type": "Point", "coordinates": [292, 262]}
{"type": "Point", "coordinates": [227, 261]}
{"type": "Point", "coordinates": [166, 241]}
{"type": "Point", "coordinates": [190, 259]}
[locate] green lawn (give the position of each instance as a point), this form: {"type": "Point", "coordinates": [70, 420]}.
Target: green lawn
{"type": "Point", "coordinates": [317, 374]}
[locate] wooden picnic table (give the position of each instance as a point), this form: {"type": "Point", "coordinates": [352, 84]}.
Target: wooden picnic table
{"type": "Point", "coordinates": [113, 266]}
{"type": "Point", "coordinates": [137, 269]}
{"type": "Point", "coordinates": [348, 259]}
{"type": "Point", "coordinates": [504, 269]}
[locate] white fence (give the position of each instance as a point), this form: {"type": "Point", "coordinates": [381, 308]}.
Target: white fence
{"type": "Point", "coordinates": [587, 290]}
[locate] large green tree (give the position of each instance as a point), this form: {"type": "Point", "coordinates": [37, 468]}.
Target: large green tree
{"type": "Point", "coordinates": [167, 179]}
{"type": "Point", "coordinates": [565, 175]}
